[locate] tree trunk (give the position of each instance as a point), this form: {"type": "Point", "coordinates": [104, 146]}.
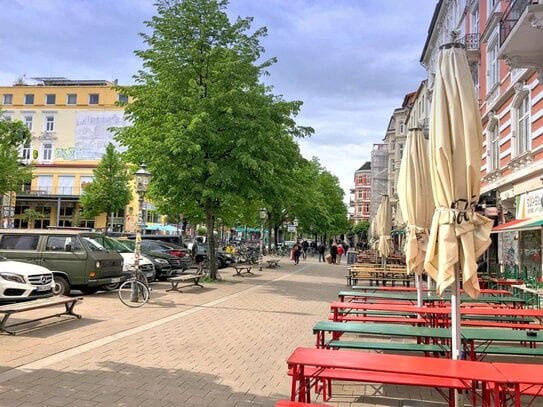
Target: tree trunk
{"type": "Point", "coordinates": [210, 225]}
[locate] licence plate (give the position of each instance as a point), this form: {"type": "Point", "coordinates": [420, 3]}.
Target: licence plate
{"type": "Point", "coordinates": [43, 288]}
{"type": "Point", "coordinates": [116, 280]}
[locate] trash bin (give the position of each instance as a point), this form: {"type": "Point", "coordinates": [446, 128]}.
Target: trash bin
{"type": "Point", "coordinates": [351, 257]}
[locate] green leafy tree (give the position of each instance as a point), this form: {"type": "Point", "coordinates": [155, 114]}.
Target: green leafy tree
{"type": "Point", "coordinates": [12, 173]}
{"type": "Point", "coordinates": [211, 133]}
{"type": "Point", "coordinates": [110, 189]}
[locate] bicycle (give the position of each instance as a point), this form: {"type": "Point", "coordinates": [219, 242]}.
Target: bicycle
{"type": "Point", "coordinates": [134, 292]}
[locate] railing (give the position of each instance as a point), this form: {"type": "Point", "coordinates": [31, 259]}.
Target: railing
{"type": "Point", "coordinates": [471, 41]}
{"type": "Point", "coordinates": [49, 190]}
{"type": "Point", "coordinates": [511, 17]}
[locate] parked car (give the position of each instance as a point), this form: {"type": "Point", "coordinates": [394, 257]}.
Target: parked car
{"type": "Point", "coordinates": [23, 281]}
{"type": "Point", "coordinates": [166, 265]}
{"type": "Point", "coordinates": [199, 252]}
{"type": "Point", "coordinates": [182, 253]}
{"type": "Point", "coordinates": [145, 264]}
{"type": "Point", "coordinates": [75, 257]}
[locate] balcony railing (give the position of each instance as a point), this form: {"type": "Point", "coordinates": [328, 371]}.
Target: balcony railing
{"type": "Point", "coordinates": [511, 17]}
{"type": "Point", "coordinates": [471, 41]}
{"type": "Point", "coordinates": [49, 190]}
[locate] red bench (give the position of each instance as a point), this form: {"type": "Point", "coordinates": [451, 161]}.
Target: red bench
{"type": "Point", "coordinates": [288, 403]}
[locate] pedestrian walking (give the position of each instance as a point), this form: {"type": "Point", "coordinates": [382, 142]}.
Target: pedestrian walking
{"type": "Point", "coordinates": [297, 252]}
{"type": "Point", "coordinates": [340, 252]}
{"type": "Point", "coordinates": [305, 247]}
{"type": "Point", "coordinates": [333, 252]}
{"type": "Point", "coordinates": [322, 250]}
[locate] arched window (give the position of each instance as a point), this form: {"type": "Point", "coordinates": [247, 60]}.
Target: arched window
{"type": "Point", "coordinates": [493, 146]}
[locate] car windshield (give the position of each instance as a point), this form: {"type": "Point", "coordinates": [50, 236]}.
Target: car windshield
{"type": "Point", "coordinates": [92, 244]}
{"type": "Point", "coordinates": [128, 243]}
{"type": "Point", "coordinates": [115, 245]}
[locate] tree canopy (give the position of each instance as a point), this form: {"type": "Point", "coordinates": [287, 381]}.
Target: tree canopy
{"type": "Point", "coordinates": [211, 132]}
{"type": "Point", "coordinates": [13, 174]}
{"type": "Point", "coordinates": [110, 189]}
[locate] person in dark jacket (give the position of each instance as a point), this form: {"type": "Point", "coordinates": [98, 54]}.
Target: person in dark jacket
{"type": "Point", "coordinates": [322, 250]}
{"type": "Point", "coordinates": [333, 252]}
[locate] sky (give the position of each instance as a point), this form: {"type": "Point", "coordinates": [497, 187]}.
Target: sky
{"type": "Point", "coordinates": [350, 62]}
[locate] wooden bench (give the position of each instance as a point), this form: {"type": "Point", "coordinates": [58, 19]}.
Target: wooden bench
{"type": "Point", "coordinates": [273, 263]}
{"type": "Point", "coordinates": [9, 309]}
{"type": "Point", "coordinates": [360, 272]}
{"type": "Point", "coordinates": [189, 279]}
{"type": "Point", "coordinates": [240, 270]}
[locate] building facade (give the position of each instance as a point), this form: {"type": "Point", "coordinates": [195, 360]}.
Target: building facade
{"type": "Point", "coordinates": [361, 194]}
{"type": "Point", "coordinates": [504, 45]}
{"type": "Point", "coordinates": [70, 124]}
{"type": "Point", "coordinates": [379, 176]}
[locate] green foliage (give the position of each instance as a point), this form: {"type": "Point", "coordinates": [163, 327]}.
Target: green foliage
{"type": "Point", "coordinates": [31, 215]}
{"type": "Point", "coordinates": [213, 135]}
{"type": "Point", "coordinates": [110, 189]}
{"type": "Point", "coordinates": [12, 173]}
{"type": "Point", "coordinates": [361, 227]}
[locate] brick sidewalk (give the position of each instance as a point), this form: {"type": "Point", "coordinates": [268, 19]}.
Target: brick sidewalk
{"type": "Point", "coordinates": [224, 345]}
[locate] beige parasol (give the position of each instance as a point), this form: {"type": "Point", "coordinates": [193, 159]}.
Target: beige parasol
{"type": "Point", "coordinates": [383, 227]}
{"type": "Point", "coordinates": [458, 235]}
{"type": "Point", "coordinates": [415, 197]}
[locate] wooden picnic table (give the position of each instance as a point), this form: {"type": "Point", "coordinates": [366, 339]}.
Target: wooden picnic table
{"type": "Point", "coordinates": [372, 288]}
{"type": "Point", "coordinates": [411, 298]}
{"type": "Point", "coordinates": [324, 364]}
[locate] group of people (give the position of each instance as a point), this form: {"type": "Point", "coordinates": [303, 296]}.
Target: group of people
{"type": "Point", "coordinates": [337, 250]}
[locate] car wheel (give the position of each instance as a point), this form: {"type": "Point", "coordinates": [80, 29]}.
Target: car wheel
{"type": "Point", "coordinates": [62, 287]}
{"type": "Point", "coordinates": [88, 290]}
{"type": "Point", "coordinates": [110, 287]}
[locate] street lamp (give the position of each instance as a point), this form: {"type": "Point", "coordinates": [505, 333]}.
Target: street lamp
{"type": "Point", "coordinates": [143, 177]}
{"type": "Point", "coordinates": [263, 216]}
{"type": "Point", "coordinates": [295, 223]}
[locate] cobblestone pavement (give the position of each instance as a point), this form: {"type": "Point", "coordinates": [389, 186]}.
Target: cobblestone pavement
{"type": "Point", "coordinates": [223, 345]}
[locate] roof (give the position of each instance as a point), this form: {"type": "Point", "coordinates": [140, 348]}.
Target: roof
{"type": "Point", "coordinates": [520, 225]}
{"type": "Point", "coordinates": [365, 166]}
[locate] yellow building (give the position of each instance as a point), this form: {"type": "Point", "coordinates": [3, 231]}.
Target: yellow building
{"type": "Point", "coordinates": [69, 121]}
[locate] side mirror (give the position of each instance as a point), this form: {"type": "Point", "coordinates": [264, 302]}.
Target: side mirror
{"type": "Point", "coordinates": [68, 247]}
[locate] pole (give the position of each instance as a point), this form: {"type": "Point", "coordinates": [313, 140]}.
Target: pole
{"type": "Point", "coordinates": [261, 244]}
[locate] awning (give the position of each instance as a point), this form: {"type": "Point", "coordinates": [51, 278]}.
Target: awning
{"type": "Point", "coordinates": [520, 225]}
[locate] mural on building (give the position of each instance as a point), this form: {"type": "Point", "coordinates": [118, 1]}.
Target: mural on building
{"type": "Point", "coordinates": [92, 133]}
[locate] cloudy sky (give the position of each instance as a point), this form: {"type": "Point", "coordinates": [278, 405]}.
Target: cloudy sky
{"type": "Point", "coordinates": [350, 61]}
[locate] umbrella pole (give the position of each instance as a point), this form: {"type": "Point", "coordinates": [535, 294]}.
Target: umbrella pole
{"type": "Point", "coordinates": [455, 328]}
{"type": "Point", "coordinates": [418, 284]}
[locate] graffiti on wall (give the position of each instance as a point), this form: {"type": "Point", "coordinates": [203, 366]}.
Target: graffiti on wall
{"type": "Point", "coordinates": [509, 249]}
{"type": "Point", "coordinates": [65, 153]}
{"type": "Point", "coordinates": [92, 133]}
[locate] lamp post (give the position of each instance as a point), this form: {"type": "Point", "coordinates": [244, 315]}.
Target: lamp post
{"type": "Point", "coordinates": [263, 216]}
{"type": "Point", "coordinates": [143, 177]}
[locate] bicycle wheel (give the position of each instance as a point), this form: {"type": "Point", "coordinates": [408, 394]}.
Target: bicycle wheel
{"type": "Point", "coordinates": [133, 293]}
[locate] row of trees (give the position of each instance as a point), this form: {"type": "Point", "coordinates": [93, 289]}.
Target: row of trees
{"type": "Point", "coordinates": [219, 143]}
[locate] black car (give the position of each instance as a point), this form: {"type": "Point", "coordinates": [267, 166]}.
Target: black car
{"type": "Point", "coordinates": [199, 252]}
{"type": "Point", "coordinates": [181, 258]}
{"type": "Point", "coordinates": [166, 265]}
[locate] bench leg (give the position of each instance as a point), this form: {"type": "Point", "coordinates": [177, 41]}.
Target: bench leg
{"type": "Point", "coordinates": [70, 310]}
{"type": "Point", "coordinates": [3, 325]}
{"type": "Point", "coordinates": [197, 282]}
{"type": "Point", "coordinates": [174, 287]}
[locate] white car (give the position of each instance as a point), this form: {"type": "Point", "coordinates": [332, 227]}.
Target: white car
{"type": "Point", "coordinates": [24, 281]}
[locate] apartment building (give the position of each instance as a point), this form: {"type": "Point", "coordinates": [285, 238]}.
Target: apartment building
{"type": "Point", "coordinates": [70, 123]}
{"type": "Point", "coordinates": [504, 47]}
{"type": "Point", "coordinates": [361, 194]}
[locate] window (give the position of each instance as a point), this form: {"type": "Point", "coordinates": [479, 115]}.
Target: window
{"type": "Point", "coordinates": [50, 99]}
{"type": "Point", "coordinates": [7, 100]}
{"type": "Point", "coordinates": [25, 152]}
{"type": "Point", "coordinates": [402, 127]}
{"type": "Point", "coordinates": [66, 185]}
{"type": "Point", "coordinates": [28, 122]}
{"type": "Point", "coordinates": [493, 144]}
{"type": "Point", "coordinates": [7, 117]}
{"type": "Point", "coordinates": [47, 152]}
{"type": "Point", "coordinates": [123, 99]}
{"type": "Point", "coordinates": [19, 242]}
{"type": "Point", "coordinates": [94, 98]}
{"type": "Point", "coordinates": [49, 123]}
{"type": "Point", "coordinates": [29, 99]}
{"type": "Point", "coordinates": [45, 183]}
{"type": "Point", "coordinates": [522, 111]}
{"type": "Point", "coordinates": [71, 99]}
{"type": "Point", "coordinates": [493, 73]}
{"type": "Point", "coordinates": [400, 147]}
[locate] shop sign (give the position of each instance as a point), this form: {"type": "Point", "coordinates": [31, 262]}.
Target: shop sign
{"type": "Point", "coordinates": [534, 203]}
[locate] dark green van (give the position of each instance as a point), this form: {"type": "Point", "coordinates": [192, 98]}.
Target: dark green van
{"type": "Point", "coordinates": [74, 257]}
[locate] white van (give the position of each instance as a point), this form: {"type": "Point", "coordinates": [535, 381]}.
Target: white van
{"type": "Point", "coordinates": [23, 281]}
